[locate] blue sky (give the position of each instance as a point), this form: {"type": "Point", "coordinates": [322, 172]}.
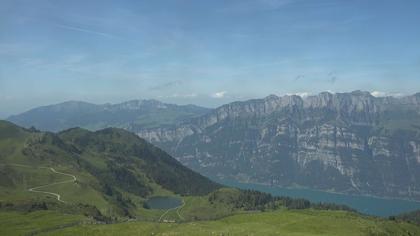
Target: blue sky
{"type": "Point", "coordinates": [203, 52]}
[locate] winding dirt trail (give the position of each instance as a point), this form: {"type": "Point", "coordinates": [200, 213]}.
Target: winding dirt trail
{"type": "Point", "coordinates": [175, 208]}
{"type": "Point", "coordinates": [179, 208]}
{"type": "Point", "coordinates": [57, 195]}
{"type": "Point", "coordinates": [74, 179]}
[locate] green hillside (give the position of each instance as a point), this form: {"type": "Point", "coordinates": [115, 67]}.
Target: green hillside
{"type": "Point", "coordinates": [116, 171]}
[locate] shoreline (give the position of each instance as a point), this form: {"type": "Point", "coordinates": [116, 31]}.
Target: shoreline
{"type": "Point", "coordinates": [317, 190]}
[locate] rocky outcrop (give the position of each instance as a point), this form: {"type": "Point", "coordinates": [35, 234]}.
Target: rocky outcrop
{"type": "Point", "coordinates": [345, 142]}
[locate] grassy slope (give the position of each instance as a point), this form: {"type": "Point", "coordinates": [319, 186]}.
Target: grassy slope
{"type": "Point", "coordinates": [121, 149]}
{"type": "Point", "coordinates": [15, 223]}
{"type": "Point", "coordinates": [99, 150]}
{"type": "Point", "coordinates": [412, 217]}
{"type": "Point", "coordinates": [283, 222]}
{"type": "Point", "coordinates": [18, 179]}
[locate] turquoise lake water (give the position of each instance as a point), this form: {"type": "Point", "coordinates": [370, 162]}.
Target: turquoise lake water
{"type": "Point", "coordinates": [364, 204]}
{"type": "Point", "coordinates": [163, 202]}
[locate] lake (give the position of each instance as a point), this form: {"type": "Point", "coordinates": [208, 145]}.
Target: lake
{"type": "Point", "coordinates": [163, 202]}
{"type": "Point", "coordinates": [364, 204]}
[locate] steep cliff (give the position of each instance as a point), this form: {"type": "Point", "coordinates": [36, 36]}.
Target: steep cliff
{"type": "Point", "coordinates": [344, 142]}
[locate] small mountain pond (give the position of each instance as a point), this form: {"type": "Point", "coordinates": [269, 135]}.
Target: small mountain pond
{"type": "Point", "coordinates": [163, 202]}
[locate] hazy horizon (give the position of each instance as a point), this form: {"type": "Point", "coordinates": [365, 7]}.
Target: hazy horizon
{"type": "Point", "coordinates": [203, 52]}
{"type": "Point", "coordinates": [303, 95]}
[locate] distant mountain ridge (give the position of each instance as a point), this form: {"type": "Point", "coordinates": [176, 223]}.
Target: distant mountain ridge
{"type": "Point", "coordinates": [134, 113]}
{"type": "Point", "coordinates": [344, 142]}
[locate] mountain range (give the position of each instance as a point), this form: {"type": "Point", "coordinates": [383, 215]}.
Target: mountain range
{"type": "Point", "coordinates": [132, 114]}
{"type": "Point", "coordinates": [344, 142]}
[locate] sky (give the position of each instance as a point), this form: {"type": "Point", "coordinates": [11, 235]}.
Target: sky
{"type": "Point", "coordinates": [203, 52]}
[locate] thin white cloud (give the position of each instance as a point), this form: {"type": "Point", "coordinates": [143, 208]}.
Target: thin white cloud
{"type": "Point", "coordinates": [385, 94]}
{"type": "Point", "coordinates": [300, 94]}
{"type": "Point", "coordinates": [220, 94]}
{"type": "Point", "coordinates": [378, 94]}
{"type": "Point", "coordinates": [85, 30]}
{"type": "Point", "coordinates": [177, 95]}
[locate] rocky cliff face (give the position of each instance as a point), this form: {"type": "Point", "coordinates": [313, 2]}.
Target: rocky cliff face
{"type": "Point", "coordinates": [345, 142]}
